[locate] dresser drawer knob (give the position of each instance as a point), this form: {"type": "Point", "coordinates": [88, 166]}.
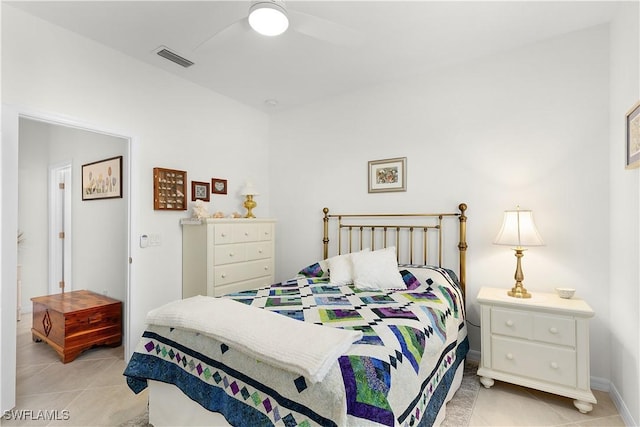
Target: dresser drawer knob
{"type": "Point", "coordinates": [246, 233]}
{"type": "Point", "coordinates": [509, 322]}
{"type": "Point", "coordinates": [223, 275]}
{"type": "Point", "coordinates": [553, 330]}
{"type": "Point", "coordinates": [223, 234]}
{"type": "Point", "coordinates": [259, 251]}
{"type": "Point", "coordinates": [509, 356]}
{"type": "Point", "coordinates": [266, 268]}
{"type": "Point", "coordinates": [231, 254]}
{"type": "Point", "coordinates": [554, 365]}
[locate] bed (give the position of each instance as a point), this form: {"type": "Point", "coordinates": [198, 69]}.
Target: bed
{"type": "Point", "coordinates": [347, 342]}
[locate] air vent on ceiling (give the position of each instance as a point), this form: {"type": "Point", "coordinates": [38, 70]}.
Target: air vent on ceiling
{"type": "Point", "coordinates": [174, 57]}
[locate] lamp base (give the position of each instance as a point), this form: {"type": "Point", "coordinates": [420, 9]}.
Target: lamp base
{"type": "Point", "coordinates": [249, 204]}
{"type": "Point", "coordinates": [519, 292]}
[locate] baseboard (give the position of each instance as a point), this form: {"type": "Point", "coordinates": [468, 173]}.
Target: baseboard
{"type": "Point", "coordinates": [621, 406]}
{"type": "Point", "coordinates": [474, 355]}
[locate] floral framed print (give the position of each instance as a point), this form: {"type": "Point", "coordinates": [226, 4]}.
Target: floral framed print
{"type": "Point", "coordinates": [102, 179]}
{"type": "Point", "coordinates": [388, 175]}
{"type": "Point", "coordinates": [633, 137]}
{"type": "Point", "coordinates": [218, 186]}
{"type": "Point", "coordinates": [200, 191]}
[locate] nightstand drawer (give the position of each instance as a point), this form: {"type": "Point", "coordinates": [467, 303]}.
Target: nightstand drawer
{"type": "Point", "coordinates": [555, 330]}
{"type": "Point", "coordinates": [534, 360]}
{"type": "Point", "coordinates": [511, 323]}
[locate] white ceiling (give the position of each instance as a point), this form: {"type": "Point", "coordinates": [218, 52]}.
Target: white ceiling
{"type": "Point", "coordinates": [387, 40]}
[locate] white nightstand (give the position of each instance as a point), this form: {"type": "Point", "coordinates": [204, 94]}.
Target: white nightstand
{"type": "Point", "coordinates": [541, 342]}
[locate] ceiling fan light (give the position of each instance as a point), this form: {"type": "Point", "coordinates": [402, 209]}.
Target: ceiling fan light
{"type": "Point", "coordinates": [268, 18]}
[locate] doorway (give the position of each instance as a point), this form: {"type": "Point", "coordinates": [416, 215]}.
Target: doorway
{"type": "Point", "coordinates": [60, 230]}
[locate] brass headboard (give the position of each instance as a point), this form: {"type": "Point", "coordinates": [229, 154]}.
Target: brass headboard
{"type": "Point", "coordinates": [370, 232]}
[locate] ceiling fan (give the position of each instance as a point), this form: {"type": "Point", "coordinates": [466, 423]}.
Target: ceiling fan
{"type": "Point", "coordinates": [272, 18]}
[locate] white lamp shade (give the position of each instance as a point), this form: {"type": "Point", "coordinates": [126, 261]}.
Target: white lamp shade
{"type": "Point", "coordinates": [249, 189]}
{"type": "Point", "coordinates": [268, 18]}
{"type": "Point", "coordinates": [518, 229]}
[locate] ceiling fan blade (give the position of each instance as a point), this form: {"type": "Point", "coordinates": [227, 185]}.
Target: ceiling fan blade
{"type": "Point", "coordinates": [223, 36]}
{"type": "Point", "coordinates": [325, 30]}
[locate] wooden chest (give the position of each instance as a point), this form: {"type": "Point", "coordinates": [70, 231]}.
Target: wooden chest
{"type": "Point", "coordinates": [76, 321]}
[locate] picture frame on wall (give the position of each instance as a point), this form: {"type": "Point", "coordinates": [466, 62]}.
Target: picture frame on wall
{"type": "Point", "coordinates": [102, 179]}
{"type": "Point", "coordinates": [200, 191]}
{"type": "Point", "coordinates": [218, 186]}
{"type": "Point", "coordinates": [388, 175]}
{"type": "Point", "coordinates": [633, 136]}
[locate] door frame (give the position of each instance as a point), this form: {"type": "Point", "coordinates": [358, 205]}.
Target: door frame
{"type": "Point", "coordinates": [56, 256]}
{"type": "Point", "coordinates": [10, 116]}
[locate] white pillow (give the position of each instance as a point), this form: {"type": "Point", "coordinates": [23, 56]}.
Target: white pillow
{"type": "Point", "coordinates": [341, 269]}
{"type": "Point", "coordinates": [377, 270]}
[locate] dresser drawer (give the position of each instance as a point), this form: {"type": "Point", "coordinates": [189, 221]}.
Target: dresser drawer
{"type": "Point", "coordinates": [245, 233]}
{"type": "Point", "coordinates": [265, 232]}
{"type": "Point", "coordinates": [230, 273]}
{"type": "Point", "coordinates": [554, 329]}
{"type": "Point", "coordinates": [540, 361]}
{"type": "Point", "coordinates": [511, 323]}
{"type": "Point", "coordinates": [259, 250]}
{"type": "Point", "coordinates": [228, 254]}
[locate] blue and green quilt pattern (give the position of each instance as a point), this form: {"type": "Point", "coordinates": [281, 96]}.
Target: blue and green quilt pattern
{"type": "Point", "coordinates": [398, 374]}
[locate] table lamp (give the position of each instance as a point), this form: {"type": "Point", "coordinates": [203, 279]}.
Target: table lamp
{"type": "Point", "coordinates": [518, 230]}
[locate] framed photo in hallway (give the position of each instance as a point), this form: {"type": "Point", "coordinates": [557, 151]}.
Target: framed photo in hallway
{"type": "Point", "coordinates": [102, 179]}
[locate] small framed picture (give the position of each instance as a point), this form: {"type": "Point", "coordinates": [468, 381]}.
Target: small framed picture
{"type": "Point", "coordinates": [633, 137]}
{"type": "Point", "coordinates": [218, 186]}
{"type": "Point", "coordinates": [388, 175]}
{"type": "Point", "coordinates": [102, 179]}
{"type": "Point", "coordinates": [200, 191]}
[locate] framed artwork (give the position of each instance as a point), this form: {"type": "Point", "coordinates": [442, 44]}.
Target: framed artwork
{"type": "Point", "coordinates": [169, 189]}
{"type": "Point", "coordinates": [218, 186]}
{"type": "Point", "coordinates": [633, 137]}
{"type": "Point", "coordinates": [102, 179]}
{"type": "Point", "coordinates": [388, 175]}
{"type": "Point", "coordinates": [200, 191]}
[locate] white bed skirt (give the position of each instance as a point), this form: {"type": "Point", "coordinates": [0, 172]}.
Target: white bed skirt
{"type": "Point", "coordinates": [169, 407]}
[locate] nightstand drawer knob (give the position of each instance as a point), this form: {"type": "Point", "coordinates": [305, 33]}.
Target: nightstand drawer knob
{"type": "Point", "coordinates": [223, 275]}
{"type": "Point", "coordinates": [553, 330]}
{"type": "Point", "coordinates": [231, 254]}
{"type": "Point", "coordinates": [509, 322]}
{"type": "Point", "coordinates": [554, 365]}
{"type": "Point", "coordinates": [509, 356]}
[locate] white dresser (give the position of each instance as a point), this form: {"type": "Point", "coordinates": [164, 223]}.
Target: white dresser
{"type": "Point", "coordinates": [221, 256]}
{"type": "Point", "coordinates": [541, 342]}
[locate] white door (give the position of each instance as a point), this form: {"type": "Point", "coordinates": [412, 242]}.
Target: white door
{"type": "Point", "coordinates": [60, 228]}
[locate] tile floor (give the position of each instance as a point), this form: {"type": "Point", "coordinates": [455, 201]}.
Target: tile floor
{"type": "Point", "coordinates": [91, 391]}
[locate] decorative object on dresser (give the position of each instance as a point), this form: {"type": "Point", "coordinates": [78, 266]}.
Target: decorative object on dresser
{"type": "Point", "coordinates": [102, 179]}
{"type": "Point", "coordinates": [633, 136]}
{"type": "Point", "coordinates": [221, 256]}
{"type": "Point", "coordinates": [218, 186]}
{"type": "Point", "coordinates": [169, 189]}
{"type": "Point", "coordinates": [249, 191]}
{"type": "Point", "coordinates": [73, 322]}
{"type": "Point", "coordinates": [540, 342]}
{"type": "Point", "coordinates": [388, 175]}
{"type": "Point", "coordinates": [519, 230]}
{"type": "Point", "coordinates": [200, 191]}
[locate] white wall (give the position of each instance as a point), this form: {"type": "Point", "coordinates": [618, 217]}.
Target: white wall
{"type": "Point", "coordinates": [524, 127]}
{"type": "Point", "coordinates": [99, 228]}
{"type": "Point", "coordinates": [624, 280]}
{"type": "Point", "coordinates": [172, 123]}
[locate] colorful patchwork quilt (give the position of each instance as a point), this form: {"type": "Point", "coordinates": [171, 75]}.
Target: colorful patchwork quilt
{"type": "Point", "coordinates": [398, 374]}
